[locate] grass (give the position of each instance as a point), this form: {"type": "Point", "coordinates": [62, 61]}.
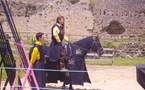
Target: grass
{"type": "Point", "coordinates": [120, 62]}
{"type": "Point", "coordinates": [129, 61]}
{"type": "Point", "coordinates": [3, 72]}
{"type": "Point", "coordinates": [4, 75]}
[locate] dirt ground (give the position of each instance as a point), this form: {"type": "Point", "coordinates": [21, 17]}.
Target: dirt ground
{"type": "Point", "coordinates": [106, 78]}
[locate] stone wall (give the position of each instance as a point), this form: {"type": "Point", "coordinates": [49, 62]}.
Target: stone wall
{"type": "Point", "coordinates": [77, 17]}
{"type": "Point", "coordinates": [82, 18]}
{"type": "Point", "coordinates": [130, 13]}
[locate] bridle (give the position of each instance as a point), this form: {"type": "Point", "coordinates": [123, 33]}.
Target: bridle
{"type": "Point", "coordinates": [90, 50]}
{"type": "Point", "coordinates": [99, 48]}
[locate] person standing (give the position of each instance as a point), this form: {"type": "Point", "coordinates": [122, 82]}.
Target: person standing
{"type": "Point", "coordinates": [57, 51]}
{"type": "Point", "coordinates": [37, 59]}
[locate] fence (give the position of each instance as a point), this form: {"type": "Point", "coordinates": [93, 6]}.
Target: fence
{"type": "Point", "coordinates": [15, 54]}
{"type": "Point", "coordinates": [74, 37]}
{"type": "Point", "coordinates": [109, 53]}
{"type": "Point", "coordinates": [27, 36]}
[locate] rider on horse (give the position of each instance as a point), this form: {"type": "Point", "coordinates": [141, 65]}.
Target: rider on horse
{"type": "Point", "coordinates": [57, 51]}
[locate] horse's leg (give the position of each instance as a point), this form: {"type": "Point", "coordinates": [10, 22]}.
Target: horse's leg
{"type": "Point", "coordinates": [63, 86]}
{"type": "Point", "coordinates": [62, 65]}
{"type": "Point", "coordinates": [62, 60]}
{"type": "Point", "coordinates": [70, 87]}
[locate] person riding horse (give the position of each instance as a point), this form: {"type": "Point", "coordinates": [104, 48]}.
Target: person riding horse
{"type": "Point", "coordinates": [76, 53]}
{"type": "Point", "coordinates": [57, 51]}
{"type": "Point", "coordinates": [57, 54]}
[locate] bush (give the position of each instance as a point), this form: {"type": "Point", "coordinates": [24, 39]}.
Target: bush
{"type": "Point", "coordinates": [108, 45]}
{"type": "Point", "coordinates": [33, 41]}
{"type": "Point", "coordinates": [31, 5]}
{"type": "Point", "coordinates": [3, 20]}
{"type": "Point", "coordinates": [92, 3]}
{"type": "Point", "coordinates": [73, 1]}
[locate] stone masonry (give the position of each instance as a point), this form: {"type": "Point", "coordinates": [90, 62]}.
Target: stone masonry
{"type": "Point", "coordinates": [82, 18]}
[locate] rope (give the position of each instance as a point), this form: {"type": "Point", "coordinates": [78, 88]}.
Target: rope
{"type": "Point", "coordinates": [45, 88]}
{"type": "Point", "coordinates": [68, 70]}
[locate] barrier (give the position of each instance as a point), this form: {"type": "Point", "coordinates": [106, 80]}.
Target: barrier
{"type": "Point", "coordinates": [108, 53]}
{"type": "Point", "coordinates": [29, 74]}
{"type": "Point", "coordinates": [74, 37]}
{"type": "Point", "coordinates": [14, 49]}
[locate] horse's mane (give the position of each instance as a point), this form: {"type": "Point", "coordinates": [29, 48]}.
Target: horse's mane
{"type": "Point", "coordinates": [85, 41]}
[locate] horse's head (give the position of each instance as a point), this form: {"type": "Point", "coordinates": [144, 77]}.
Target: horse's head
{"type": "Point", "coordinates": [96, 46]}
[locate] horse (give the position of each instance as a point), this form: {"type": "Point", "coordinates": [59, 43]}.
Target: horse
{"type": "Point", "coordinates": [76, 53]}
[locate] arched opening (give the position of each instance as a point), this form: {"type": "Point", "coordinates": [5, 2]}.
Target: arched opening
{"type": "Point", "coordinates": [114, 27]}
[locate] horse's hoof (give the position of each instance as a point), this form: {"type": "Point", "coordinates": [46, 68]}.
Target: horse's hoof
{"type": "Point", "coordinates": [63, 87]}
{"type": "Point", "coordinates": [71, 88]}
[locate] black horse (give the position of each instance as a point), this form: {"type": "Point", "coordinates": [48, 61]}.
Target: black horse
{"type": "Point", "coordinates": [76, 53]}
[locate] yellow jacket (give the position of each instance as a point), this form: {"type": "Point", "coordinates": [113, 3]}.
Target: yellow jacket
{"type": "Point", "coordinates": [56, 31]}
{"type": "Point", "coordinates": [35, 53]}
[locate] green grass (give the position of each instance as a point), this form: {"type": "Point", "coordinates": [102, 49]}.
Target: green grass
{"type": "Point", "coordinates": [129, 61]}
{"type": "Point", "coordinates": [4, 75]}
{"type": "Point", "coordinates": [120, 62]}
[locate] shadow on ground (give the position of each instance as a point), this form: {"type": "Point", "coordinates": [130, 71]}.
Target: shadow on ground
{"type": "Point", "coordinates": [67, 88]}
